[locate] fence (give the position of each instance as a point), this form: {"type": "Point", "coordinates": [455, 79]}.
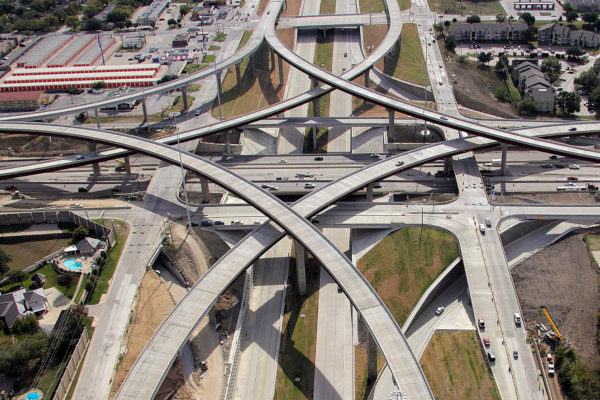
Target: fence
{"type": "Point", "coordinates": [53, 217]}
{"type": "Point", "coordinates": [63, 387]}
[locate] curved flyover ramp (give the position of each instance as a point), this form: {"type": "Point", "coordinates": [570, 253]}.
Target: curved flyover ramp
{"type": "Point", "coordinates": [153, 364]}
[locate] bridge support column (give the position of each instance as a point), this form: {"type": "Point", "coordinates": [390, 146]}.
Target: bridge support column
{"type": "Point", "coordinates": [391, 120]}
{"type": "Point", "coordinates": [185, 99]}
{"type": "Point", "coordinates": [127, 165]}
{"type": "Point", "coordinates": [367, 78]}
{"type": "Point", "coordinates": [205, 191]}
{"type": "Point", "coordinates": [447, 164]}
{"type": "Point", "coordinates": [227, 143]}
{"type": "Point", "coordinates": [280, 66]}
{"type": "Point", "coordinates": [272, 59]}
{"type": "Point", "coordinates": [238, 73]}
{"type": "Point", "coordinates": [95, 166]}
{"type": "Point", "coordinates": [144, 110]}
{"type": "Point", "coordinates": [370, 192]}
{"type": "Point", "coordinates": [300, 268]}
{"type": "Point", "coordinates": [371, 359]}
{"type": "Point", "coordinates": [314, 138]}
{"type": "Point", "coordinates": [97, 118]}
{"type": "Point", "coordinates": [218, 77]}
{"type": "Point", "coordinates": [503, 161]}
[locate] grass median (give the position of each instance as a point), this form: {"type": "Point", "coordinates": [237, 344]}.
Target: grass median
{"type": "Point", "coordinates": [456, 368]}
{"type": "Point", "coordinates": [406, 61]}
{"type": "Point", "coordinates": [296, 370]}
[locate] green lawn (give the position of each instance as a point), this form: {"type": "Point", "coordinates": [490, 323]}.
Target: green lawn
{"type": "Point", "coordinates": [298, 339]}
{"type": "Point", "coordinates": [109, 268]}
{"type": "Point", "coordinates": [404, 4]}
{"type": "Point", "coordinates": [405, 263]}
{"type": "Point", "coordinates": [27, 253]}
{"type": "Point", "coordinates": [327, 7]}
{"type": "Point", "coordinates": [492, 7]}
{"type": "Point", "coordinates": [456, 368]}
{"type": "Point", "coordinates": [245, 38]}
{"type": "Point", "coordinates": [409, 63]}
{"type": "Point", "coordinates": [371, 6]}
{"type": "Point", "coordinates": [51, 281]}
{"type": "Point", "coordinates": [323, 54]}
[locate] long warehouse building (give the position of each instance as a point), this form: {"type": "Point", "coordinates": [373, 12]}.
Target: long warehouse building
{"type": "Point", "coordinates": [22, 79]}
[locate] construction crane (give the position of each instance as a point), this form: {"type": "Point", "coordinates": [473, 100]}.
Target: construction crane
{"type": "Point", "coordinates": [556, 331]}
{"type": "Point", "coordinates": [121, 166]}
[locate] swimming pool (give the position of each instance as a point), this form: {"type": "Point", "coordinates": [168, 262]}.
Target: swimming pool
{"type": "Point", "coordinates": [71, 264]}
{"type": "Point", "coordinates": [33, 396]}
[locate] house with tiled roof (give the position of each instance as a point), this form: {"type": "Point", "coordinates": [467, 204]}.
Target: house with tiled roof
{"type": "Point", "coordinates": [560, 35]}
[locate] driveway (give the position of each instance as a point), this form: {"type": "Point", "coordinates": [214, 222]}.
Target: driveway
{"type": "Point", "coordinates": [56, 302]}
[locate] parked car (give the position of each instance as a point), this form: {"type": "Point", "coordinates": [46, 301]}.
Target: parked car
{"type": "Point", "coordinates": [486, 342]}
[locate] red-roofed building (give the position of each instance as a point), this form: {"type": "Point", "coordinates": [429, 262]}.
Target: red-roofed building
{"type": "Point", "coordinates": [20, 101]}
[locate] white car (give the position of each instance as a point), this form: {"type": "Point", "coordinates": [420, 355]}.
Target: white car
{"type": "Point", "coordinates": [282, 161]}
{"type": "Point", "coordinates": [482, 229]}
{"type": "Point", "coordinates": [517, 319]}
{"type": "Point", "coordinates": [439, 310]}
{"type": "Point", "coordinates": [574, 166]}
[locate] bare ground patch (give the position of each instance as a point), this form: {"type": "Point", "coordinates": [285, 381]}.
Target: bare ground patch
{"type": "Point", "coordinates": [152, 306]}
{"type": "Point", "coordinates": [562, 277]}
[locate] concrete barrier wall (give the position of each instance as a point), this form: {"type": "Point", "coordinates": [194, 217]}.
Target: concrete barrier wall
{"type": "Point", "coordinates": [67, 379]}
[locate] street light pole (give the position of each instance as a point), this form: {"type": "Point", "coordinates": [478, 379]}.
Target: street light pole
{"type": "Point", "coordinates": [185, 196]}
{"type": "Point", "coordinates": [218, 86]}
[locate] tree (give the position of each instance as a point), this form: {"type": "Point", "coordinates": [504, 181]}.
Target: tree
{"type": "Point", "coordinates": [571, 16]}
{"type": "Point", "coordinates": [93, 24]}
{"type": "Point", "coordinates": [65, 280]}
{"type": "Point", "coordinates": [25, 325]}
{"type": "Point", "coordinates": [447, 23]}
{"type": "Point", "coordinates": [172, 22]}
{"type": "Point", "coordinates": [527, 18]}
{"type": "Point", "coordinates": [5, 258]}
{"type": "Point", "coordinates": [89, 285]}
{"type": "Point", "coordinates": [438, 27]}
{"type": "Point", "coordinates": [450, 42]}
{"type": "Point", "coordinates": [484, 57]}
{"type": "Point", "coordinates": [500, 18]}
{"type": "Point", "coordinates": [473, 19]}
{"type": "Point", "coordinates": [16, 276]}
{"type": "Point", "coordinates": [184, 9]}
{"type": "Point", "coordinates": [551, 66]}
{"type": "Point", "coordinates": [587, 80]}
{"type": "Point", "coordinates": [119, 14]}
{"type": "Point", "coordinates": [99, 85]}
{"type": "Point", "coordinates": [72, 22]}
{"type": "Point", "coordinates": [575, 51]}
{"type": "Point", "coordinates": [79, 233]}
{"type": "Point", "coordinates": [527, 106]}
{"type": "Point", "coordinates": [502, 66]}
{"type": "Point", "coordinates": [568, 7]}
{"type": "Point", "coordinates": [590, 17]}
{"type": "Point", "coordinates": [568, 102]}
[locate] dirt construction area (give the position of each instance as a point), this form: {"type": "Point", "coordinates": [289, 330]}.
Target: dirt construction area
{"type": "Point", "coordinates": [153, 304]}
{"type": "Point", "coordinates": [564, 278]}
{"type": "Point", "coordinates": [474, 88]}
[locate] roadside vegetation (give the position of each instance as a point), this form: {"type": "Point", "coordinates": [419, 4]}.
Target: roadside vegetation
{"type": "Point", "coordinates": [406, 61]}
{"type": "Point", "coordinates": [37, 359]}
{"type": "Point", "coordinates": [456, 368]}
{"type": "Point", "coordinates": [466, 7]}
{"type": "Point", "coordinates": [105, 272]}
{"type": "Point", "coordinates": [367, 6]}
{"type": "Point", "coordinates": [296, 367]}
{"type": "Point", "coordinates": [323, 59]}
{"type": "Point", "coordinates": [405, 263]}
{"type": "Point", "coordinates": [327, 7]}
{"type": "Point", "coordinates": [259, 86]}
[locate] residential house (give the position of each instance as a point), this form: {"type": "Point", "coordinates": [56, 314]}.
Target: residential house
{"type": "Point", "coordinates": [560, 35]}
{"type": "Point", "coordinates": [86, 247]}
{"type": "Point", "coordinates": [585, 5]}
{"type": "Point", "coordinates": [531, 82]}
{"type": "Point", "coordinates": [489, 32]}
{"type": "Point", "coordinates": [18, 304]}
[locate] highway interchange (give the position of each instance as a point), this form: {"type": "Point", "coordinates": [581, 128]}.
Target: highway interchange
{"type": "Point", "coordinates": [485, 264]}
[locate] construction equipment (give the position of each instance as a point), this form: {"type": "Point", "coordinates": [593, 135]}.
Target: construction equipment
{"type": "Point", "coordinates": [121, 166]}
{"type": "Point", "coordinates": [560, 337]}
